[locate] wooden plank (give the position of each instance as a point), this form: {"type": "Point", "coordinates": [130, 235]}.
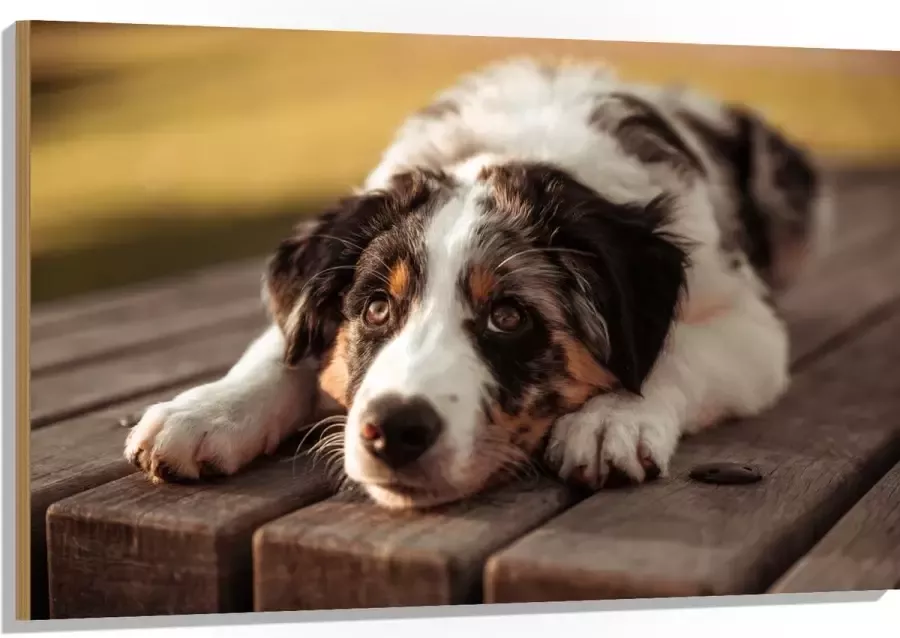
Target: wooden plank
{"type": "Point", "coordinates": [860, 553]}
{"type": "Point", "coordinates": [151, 330]}
{"type": "Point", "coordinates": [842, 294]}
{"type": "Point", "coordinates": [348, 553]}
{"type": "Point", "coordinates": [819, 450]}
{"type": "Point", "coordinates": [866, 205]}
{"type": "Point", "coordinates": [168, 549]}
{"type": "Point", "coordinates": [70, 392]}
{"type": "Point", "coordinates": [861, 271]}
{"type": "Point", "coordinates": [194, 289]}
{"type": "Point", "coordinates": [71, 457]}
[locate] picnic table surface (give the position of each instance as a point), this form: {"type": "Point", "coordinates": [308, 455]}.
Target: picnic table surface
{"type": "Point", "coordinates": [279, 536]}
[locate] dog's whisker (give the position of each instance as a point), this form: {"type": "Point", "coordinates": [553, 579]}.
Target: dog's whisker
{"type": "Point", "coordinates": [319, 274]}
{"type": "Point", "coordinates": [550, 249]}
{"type": "Point", "coordinates": [326, 423]}
{"type": "Point", "coordinates": [341, 240]}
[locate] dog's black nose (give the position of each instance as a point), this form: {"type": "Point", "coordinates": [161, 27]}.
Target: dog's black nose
{"type": "Point", "coordinates": [398, 430]}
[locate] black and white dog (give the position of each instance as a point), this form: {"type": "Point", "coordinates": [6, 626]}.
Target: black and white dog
{"type": "Point", "coordinates": [547, 261]}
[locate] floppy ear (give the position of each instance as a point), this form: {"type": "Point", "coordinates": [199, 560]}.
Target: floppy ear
{"type": "Point", "coordinates": [309, 271]}
{"type": "Point", "coordinates": [628, 277]}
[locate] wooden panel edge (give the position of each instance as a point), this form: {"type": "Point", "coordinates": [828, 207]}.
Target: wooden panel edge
{"type": "Point", "coordinates": [23, 304]}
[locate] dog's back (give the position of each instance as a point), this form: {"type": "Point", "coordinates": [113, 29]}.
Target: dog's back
{"type": "Point", "coordinates": [768, 199]}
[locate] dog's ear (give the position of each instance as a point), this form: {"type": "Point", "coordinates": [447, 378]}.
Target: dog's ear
{"type": "Point", "coordinates": [306, 276]}
{"type": "Point", "coordinates": [628, 275]}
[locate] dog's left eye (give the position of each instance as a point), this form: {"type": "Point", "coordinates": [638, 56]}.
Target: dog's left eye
{"type": "Point", "coordinates": [506, 317]}
{"type": "Point", "coordinates": [377, 311]}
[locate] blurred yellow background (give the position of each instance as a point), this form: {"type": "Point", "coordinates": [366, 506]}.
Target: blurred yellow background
{"type": "Point", "coordinates": [158, 149]}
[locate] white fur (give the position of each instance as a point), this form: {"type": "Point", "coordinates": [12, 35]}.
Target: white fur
{"type": "Point", "coordinates": [431, 356]}
{"type": "Point", "coordinates": [231, 421]}
{"type": "Point", "coordinates": [727, 354]}
{"type": "Point", "coordinates": [733, 365]}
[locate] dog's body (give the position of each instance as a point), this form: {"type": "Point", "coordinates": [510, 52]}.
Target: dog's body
{"type": "Point", "coordinates": [547, 259]}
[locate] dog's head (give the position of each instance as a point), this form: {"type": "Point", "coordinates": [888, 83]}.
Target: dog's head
{"type": "Point", "coordinates": [456, 320]}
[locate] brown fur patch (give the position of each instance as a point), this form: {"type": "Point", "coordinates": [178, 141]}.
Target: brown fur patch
{"type": "Point", "coordinates": [334, 376]}
{"type": "Point", "coordinates": [524, 430]}
{"type": "Point", "coordinates": [481, 283]}
{"type": "Point", "coordinates": [399, 280]}
{"type": "Point", "coordinates": [586, 376]}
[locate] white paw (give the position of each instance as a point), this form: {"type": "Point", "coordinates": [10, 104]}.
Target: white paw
{"type": "Point", "coordinates": [612, 433]}
{"type": "Point", "coordinates": [199, 433]}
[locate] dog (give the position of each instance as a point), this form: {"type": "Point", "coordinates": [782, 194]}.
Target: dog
{"type": "Point", "coordinates": [548, 262]}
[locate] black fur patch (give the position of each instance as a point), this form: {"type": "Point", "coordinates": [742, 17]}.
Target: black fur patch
{"type": "Point", "coordinates": [608, 261]}
{"type": "Point", "coordinates": [643, 132]}
{"type": "Point", "coordinates": [773, 181]}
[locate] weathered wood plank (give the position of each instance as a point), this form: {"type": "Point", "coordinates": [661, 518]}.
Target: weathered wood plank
{"type": "Point", "coordinates": [348, 553]}
{"type": "Point", "coordinates": [842, 294]}
{"type": "Point", "coordinates": [71, 457]}
{"type": "Point", "coordinates": [168, 549]}
{"type": "Point", "coordinates": [859, 274]}
{"type": "Point", "coordinates": [70, 392]}
{"type": "Point", "coordinates": [191, 290]}
{"type": "Point", "coordinates": [861, 552]}
{"type": "Point", "coordinates": [835, 433]}
{"type": "Point", "coordinates": [152, 330]}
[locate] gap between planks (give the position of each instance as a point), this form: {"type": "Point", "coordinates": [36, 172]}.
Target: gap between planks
{"type": "Point", "coordinates": [861, 552]}
{"type": "Point", "coordinates": [103, 383]}
{"type": "Point", "coordinates": [152, 316]}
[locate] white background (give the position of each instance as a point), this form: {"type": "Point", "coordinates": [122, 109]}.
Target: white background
{"type": "Point", "coordinates": [860, 24]}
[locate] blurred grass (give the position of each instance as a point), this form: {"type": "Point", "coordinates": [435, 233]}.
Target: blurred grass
{"type": "Point", "coordinates": [158, 149]}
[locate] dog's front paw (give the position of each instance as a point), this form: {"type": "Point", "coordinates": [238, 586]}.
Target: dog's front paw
{"type": "Point", "coordinates": [612, 435]}
{"type": "Point", "coordinates": [198, 434]}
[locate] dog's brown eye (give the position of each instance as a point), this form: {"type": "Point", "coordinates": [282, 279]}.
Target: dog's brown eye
{"type": "Point", "coordinates": [377, 311]}
{"type": "Point", "coordinates": [505, 317]}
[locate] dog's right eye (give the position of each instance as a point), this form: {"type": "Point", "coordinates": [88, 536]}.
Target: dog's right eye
{"type": "Point", "coordinates": [377, 312]}
{"type": "Point", "coordinates": [507, 317]}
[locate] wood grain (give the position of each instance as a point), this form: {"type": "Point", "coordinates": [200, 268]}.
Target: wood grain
{"type": "Point", "coordinates": [70, 392]}
{"type": "Point", "coordinates": [131, 548]}
{"type": "Point", "coordinates": [71, 457]}
{"type": "Point", "coordinates": [110, 307]}
{"type": "Point", "coordinates": [861, 552]}
{"type": "Point", "coordinates": [153, 330]}
{"type": "Point", "coordinates": [827, 442]}
{"type": "Point", "coordinates": [348, 553]}
{"type": "Point", "coordinates": [860, 273]}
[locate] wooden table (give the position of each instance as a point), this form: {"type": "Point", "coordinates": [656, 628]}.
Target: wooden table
{"type": "Point", "coordinates": [825, 517]}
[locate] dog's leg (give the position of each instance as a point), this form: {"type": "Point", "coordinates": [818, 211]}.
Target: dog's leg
{"type": "Point", "coordinates": [734, 364]}
{"type": "Point", "coordinates": [219, 427]}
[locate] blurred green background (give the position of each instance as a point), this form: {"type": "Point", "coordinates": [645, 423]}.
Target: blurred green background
{"type": "Point", "coordinates": [158, 149]}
